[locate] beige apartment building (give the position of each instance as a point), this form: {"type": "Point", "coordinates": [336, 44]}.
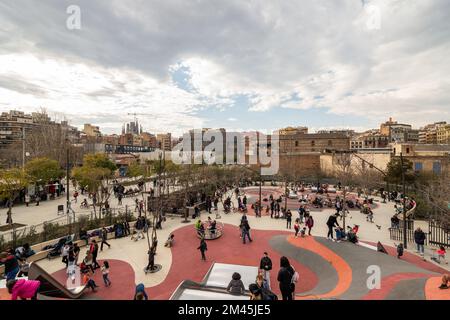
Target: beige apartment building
{"type": "Point", "coordinates": [443, 134]}
{"type": "Point", "coordinates": [164, 141]}
{"type": "Point", "coordinates": [91, 131]}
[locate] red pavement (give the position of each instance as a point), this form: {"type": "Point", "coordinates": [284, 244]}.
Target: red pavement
{"type": "Point", "coordinates": [186, 263]}
{"type": "Point", "coordinates": [121, 276]}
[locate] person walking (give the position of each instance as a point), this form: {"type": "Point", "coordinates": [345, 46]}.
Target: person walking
{"type": "Point", "coordinates": [297, 227]}
{"type": "Point", "coordinates": [104, 236]}
{"type": "Point", "coordinates": [265, 266]}
{"type": "Point", "coordinates": [331, 223]}
{"type": "Point", "coordinates": [284, 278]}
{"type": "Point", "coordinates": [272, 208]}
{"type": "Point", "coordinates": [288, 219]}
{"type": "Point", "coordinates": [245, 227]}
{"type": "Point", "coordinates": [419, 238]}
{"type": "Point", "coordinates": [94, 250]}
{"type": "Point", "coordinates": [310, 224]}
{"type": "Point", "coordinates": [27, 199]}
{"type": "Point", "coordinates": [38, 199]}
{"type": "Point", "coordinates": [203, 248]}
{"type": "Point", "coordinates": [76, 253]}
{"type": "Point", "coordinates": [105, 273]}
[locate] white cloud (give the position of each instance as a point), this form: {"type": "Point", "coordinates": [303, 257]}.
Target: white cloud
{"type": "Point", "coordinates": [288, 54]}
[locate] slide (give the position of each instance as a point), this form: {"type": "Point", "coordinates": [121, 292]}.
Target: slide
{"type": "Point", "coordinates": [50, 286]}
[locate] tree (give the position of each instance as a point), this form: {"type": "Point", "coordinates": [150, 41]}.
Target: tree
{"type": "Point", "coordinates": [94, 175]}
{"type": "Point", "coordinates": [135, 170]}
{"type": "Point", "coordinates": [12, 182]}
{"type": "Point", "coordinates": [394, 171]}
{"type": "Point", "coordinates": [344, 171]}
{"type": "Point", "coordinates": [43, 170]}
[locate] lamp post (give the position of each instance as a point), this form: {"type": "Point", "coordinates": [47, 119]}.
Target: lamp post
{"type": "Point", "coordinates": [405, 243]}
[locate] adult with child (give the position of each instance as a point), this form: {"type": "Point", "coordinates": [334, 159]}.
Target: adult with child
{"type": "Point", "coordinates": [331, 223]}
{"type": "Point", "coordinates": [285, 276]}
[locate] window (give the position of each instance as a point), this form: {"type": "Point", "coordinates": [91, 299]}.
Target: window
{"type": "Point", "coordinates": [313, 143]}
{"type": "Point", "coordinates": [330, 143]}
{"type": "Point", "coordinates": [407, 150]}
{"type": "Point", "coordinates": [296, 143]}
{"type": "Point", "coordinates": [437, 167]}
{"type": "Point", "coordinates": [418, 166]}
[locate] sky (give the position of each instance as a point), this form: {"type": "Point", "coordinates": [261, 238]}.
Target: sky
{"type": "Point", "coordinates": [234, 64]}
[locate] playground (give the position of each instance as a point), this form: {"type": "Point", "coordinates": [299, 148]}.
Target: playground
{"type": "Point", "coordinates": [327, 269]}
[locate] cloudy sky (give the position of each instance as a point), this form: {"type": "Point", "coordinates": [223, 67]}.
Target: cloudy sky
{"type": "Point", "coordinates": [236, 64]}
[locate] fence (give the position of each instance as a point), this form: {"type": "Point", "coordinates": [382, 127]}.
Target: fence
{"type": "Point", "coordinates": [396, 234]}
{"type": "Point", "coordinates": [60, 227]}
{"type": "Point", "coordinates": [439, 235]}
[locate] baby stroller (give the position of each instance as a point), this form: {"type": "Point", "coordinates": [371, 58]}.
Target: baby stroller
{"type": "Point", "coordinates": [57, 248]}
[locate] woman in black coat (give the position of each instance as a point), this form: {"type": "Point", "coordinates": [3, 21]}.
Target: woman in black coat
{"type": "Point", "coordinates": [285, 279]}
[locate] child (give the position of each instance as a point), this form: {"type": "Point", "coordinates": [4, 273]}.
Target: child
{"type": "Point", "coordinates": [296, 228]}
{"type": "Point", "coordinates": [23, 289]}
{"type": "Point", "coordinates": [89, 282]}
{"type": "Point", "coordinates": [105, 273]}
{"type": "Point", "coordinates": [441, 253]}
{"type": "Point", "coordinates": [340, 234]}
{"type": "Point", "coordinates": [400, 250]}
{"type": "Point", "coordinates": [303, 232]}
{"type": "Point", "coordinates": [169, 242]}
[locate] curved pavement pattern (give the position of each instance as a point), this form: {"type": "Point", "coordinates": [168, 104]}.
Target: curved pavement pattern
{"type": "Point", "coordinates": [328, 270]}
{"type": "Point", "coordinates": [399, 279]}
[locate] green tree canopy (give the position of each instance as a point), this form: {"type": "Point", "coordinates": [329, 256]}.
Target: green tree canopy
{"type": "Point", "coordinates": [394, 171]}
{"type": "Point", "coordinates": [42, 170]}
{"type": "Point", "coordinates": [12, 181]}
{"type": "Point", "coordinates": [99, 160]}
{"type": "Point", "coordinates": [96, 168]}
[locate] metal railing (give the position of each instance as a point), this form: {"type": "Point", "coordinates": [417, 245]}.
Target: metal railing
{"type": "Point", "coordinates": [438, 234]}
{"type": "Point", "coordinates": [60, 227]}
{"type": "Point", "coordinates": [396, 234]}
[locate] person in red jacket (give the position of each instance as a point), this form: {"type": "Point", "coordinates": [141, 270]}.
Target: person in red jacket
{"type": "Point", "coordinates": [23, 289]}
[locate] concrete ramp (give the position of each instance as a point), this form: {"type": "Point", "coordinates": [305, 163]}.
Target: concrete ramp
{"type": "Point", "coordinates": [214, 284]}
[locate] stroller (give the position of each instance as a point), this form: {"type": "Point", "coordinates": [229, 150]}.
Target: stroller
{"type": "Point", "coordinates": [57, 248]}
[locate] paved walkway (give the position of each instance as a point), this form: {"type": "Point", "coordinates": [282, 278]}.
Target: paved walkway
{"type": "Point", "coordinates": [324, 265]}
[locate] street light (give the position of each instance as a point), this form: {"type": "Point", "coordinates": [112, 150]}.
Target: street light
{"type": "Point", "coordinates": [404, 201]}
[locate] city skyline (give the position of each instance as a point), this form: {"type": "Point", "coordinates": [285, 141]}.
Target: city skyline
{"type": "Point", "coordinates": [240, 66]}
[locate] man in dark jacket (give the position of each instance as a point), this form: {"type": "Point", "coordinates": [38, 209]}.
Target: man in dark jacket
{"type": "Point", "coordinates": [266, 266]}
{"type": "Point", "coordinates": [94, 250]}
{"type": "Point", "coordinates": [203, 248]}
{"type": "Point", "coordinates": [104, 239]}
{"type": "Point", "coordinates": [419, 238]}
{"type": "Point", "coordinates": [331, 223]}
